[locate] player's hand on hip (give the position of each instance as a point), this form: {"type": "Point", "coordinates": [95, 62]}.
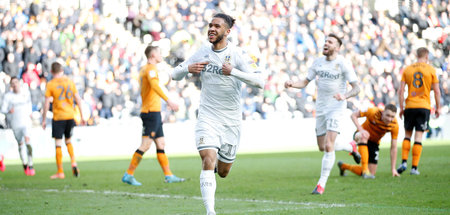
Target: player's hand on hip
{"type": "Point", "coordinates": [339, 97]}
{"type": "Point", "coordinates": [173, 106]}
{"type": "Point", "coordinates": [196, 68]}
{"type": "Point", "coordinates": [288, 84]}
{"type": "Point", "coordinates": [226, 68]}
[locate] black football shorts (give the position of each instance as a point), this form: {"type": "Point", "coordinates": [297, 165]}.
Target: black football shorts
{"type": "Point", "coordinates": [62, 127]}
{"type": "Point", "coordinates": [416, 118]}
{"type": "Point", "coordinates": [152, 125]}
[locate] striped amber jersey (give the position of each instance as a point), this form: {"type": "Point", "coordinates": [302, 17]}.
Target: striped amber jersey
{"type": "Point", "coordinates": [419, 77]}
{"type": "Point", "coordinates": [151, 92]}
{"type": "Point", "coordinates": [62, 90]}
{"type": "Point", "coordinates": [376, 127]}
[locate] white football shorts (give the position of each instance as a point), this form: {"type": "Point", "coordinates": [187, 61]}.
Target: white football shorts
{"type": "Point", "coordinates": [330, 121]}
{"type": "Point", "coordinates": [222, 138]}
{"type": "Point", "coordinates": [20, 133]}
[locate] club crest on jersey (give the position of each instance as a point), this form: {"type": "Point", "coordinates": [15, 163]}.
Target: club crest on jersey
{"type": "Point", "coordinates": [227, 58]}
{"type": "Point", "coordinates": [152, 74]}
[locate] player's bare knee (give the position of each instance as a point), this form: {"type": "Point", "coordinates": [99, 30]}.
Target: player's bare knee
{"type": "Point", "coordinates": [208, 163]}
{"type": "Point", "coordinates": [144, 148]}
{"type": "Point", "coordinates": [329, 148]}
{"type": "Point", "coordinates": [160, 145]}
{"type": "Point", "coordinates": [160, 142]}
{"type": "Point", "coordinates": [58, 142]}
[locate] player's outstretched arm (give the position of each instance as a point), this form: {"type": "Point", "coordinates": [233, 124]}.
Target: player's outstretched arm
{"type": "Point", "coordinates": [393, 158]}
{"type": "Point", "coordinates": [299, 84]}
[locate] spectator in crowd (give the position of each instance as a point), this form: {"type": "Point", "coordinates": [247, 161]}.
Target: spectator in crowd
{"type": "Point", "coordinates": [99, 48]}
{"type": "Point", "coordinates": [31, 75]}
{"type": "Point", "coordinates": [10, 67]}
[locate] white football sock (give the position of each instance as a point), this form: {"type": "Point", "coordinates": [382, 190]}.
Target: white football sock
{"type": "Point", "coordinates": [327, 165]}
{"type": "Point", "coordinates": [23, 153]}
{"type": "Point", "coordinates": [208, 189]}
{"type": "Point", "coordinates": [30, 155]}
{"type": "Point", "coordinates": [343, 146]}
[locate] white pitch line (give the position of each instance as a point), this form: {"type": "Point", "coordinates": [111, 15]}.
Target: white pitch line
{"type": "Point", "coordinates": [266, 210]}
{"type": "Point", "coordinates": [150, 195]}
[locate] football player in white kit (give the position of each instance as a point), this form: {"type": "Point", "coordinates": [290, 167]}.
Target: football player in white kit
{"type": "Point", "coordinates": [331, 73]}
{"type": "Point", "coordinates": [17, 103]}
{"type": "Point", "coordinates": [222, 67]}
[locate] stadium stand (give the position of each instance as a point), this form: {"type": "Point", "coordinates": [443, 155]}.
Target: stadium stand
{"type": "Point", "coordinates": [101, 47]}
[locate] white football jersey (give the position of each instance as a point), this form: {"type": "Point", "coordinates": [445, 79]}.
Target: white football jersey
{"type": "Point", "coordinates": [331, 78]}
{"type": "Point", "coordinates": [21, 102]}
{"type": "Point", "coordinates": [220, 98]}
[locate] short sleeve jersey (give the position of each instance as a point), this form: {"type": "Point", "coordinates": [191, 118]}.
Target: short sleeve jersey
{"type": "Point", "coordinates": [376, 127]}
{"type": "Point", "coordinates": [419, 77]}
{"type": "Point", "coordinates": [62, 90]}
{"type": "Point", "coordinates": [331, 78]}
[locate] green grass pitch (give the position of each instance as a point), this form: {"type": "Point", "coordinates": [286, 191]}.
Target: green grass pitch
{"type": "Point", "coordinates": [258, 184]}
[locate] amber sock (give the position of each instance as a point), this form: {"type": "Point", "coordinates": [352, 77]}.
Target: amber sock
{"type": "Point", "coordinates": [59, 159]}
{"type": "Point", "coordinates": [71, 154]}
{"type": "Point", "coordinates": [163, 161]}
{"type": "Point", "coordinates": [357, 169]}
{"type": "Point", "coordinates": [416, 153]}
{"type": "Point", "coordinates": [364, 151]}
{"type": "Point", "coordinates": [406, 146]}
{"type": "Point", "coordinates": [137, 157]}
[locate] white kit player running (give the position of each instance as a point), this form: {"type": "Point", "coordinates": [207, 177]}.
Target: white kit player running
{"type": "Point", "coordinates": [331, 73]}
{"type": "Point", "coordinates": [222, 67]}
{"type": "Point", "coordinates": [17, 104]}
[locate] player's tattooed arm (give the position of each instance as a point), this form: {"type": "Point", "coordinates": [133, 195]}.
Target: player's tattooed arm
{"type": "Point", "coordinates": [354, 91]}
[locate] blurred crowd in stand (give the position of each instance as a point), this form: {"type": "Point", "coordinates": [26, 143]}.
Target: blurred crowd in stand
{"type": "Point", "coordinates": [101, 43]}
